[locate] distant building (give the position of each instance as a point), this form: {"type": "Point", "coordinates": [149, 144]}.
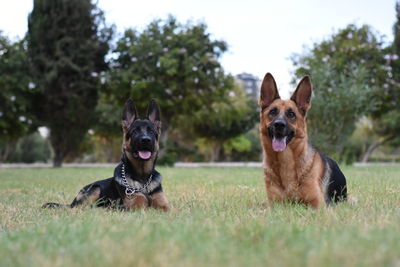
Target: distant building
{"type": "Point", "coordinates": [251, 84]}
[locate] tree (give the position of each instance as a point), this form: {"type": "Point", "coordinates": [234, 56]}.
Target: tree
{"type": "Point", "coordinates": [348, 72]}
{"type": "Point", "coordinates": [107, 130]}
{"type": "Point", "coordinates": [31, 148]}
{"type": "Point", "coordinates": [387, 129]}
{"type": "Point", "coordinates": [174, 63]}
{"type": "Point", "coordinates": [67, 44]}
{"type": "Point", "coordinates": [15, 95]}
{"type": "Point", "coordinates": [386, 118]}
{"type": "Point", "coordinates": [223, 122]}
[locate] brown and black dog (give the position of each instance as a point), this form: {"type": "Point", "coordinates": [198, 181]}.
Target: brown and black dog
{"type": "Point", "coordinates": [135, 184]}
{"type": "Point", "coordinates": [293, 169]}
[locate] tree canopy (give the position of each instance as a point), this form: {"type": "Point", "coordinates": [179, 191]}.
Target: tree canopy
{"type": "Point", "coordinates": [176, 64]}
{"type": "Point", "coordinates": [16, 119]}
{"type": "Point", "coordinates": [67, 44]}
{"type": "Point", "coordinates": [225, 120]}
{"type": "Point", "coordinates": [179, 65]}
{"type": "Point", "coordinates": [386, 118]}
{"type": "Point", "coordinates": [349, 76]}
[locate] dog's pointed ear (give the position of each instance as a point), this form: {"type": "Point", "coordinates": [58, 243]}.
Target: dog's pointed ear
{"type": "Point", "coordinates": [129, 114]}
{"type": "Point", "coordinates": [153, 113]}
{"type": "Point", "coordinates": [269, 91]}
{"type": "Point", "coordinates": [302, 95]}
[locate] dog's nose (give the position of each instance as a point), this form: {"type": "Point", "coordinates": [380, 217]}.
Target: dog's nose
{"type": "Point", "coordinates": [146, 140]}
{"type": "Point", "coordinates": [279, 124]}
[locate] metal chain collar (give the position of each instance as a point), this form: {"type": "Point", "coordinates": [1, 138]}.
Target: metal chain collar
{"type": "Point", "coordinates": [130, 190]}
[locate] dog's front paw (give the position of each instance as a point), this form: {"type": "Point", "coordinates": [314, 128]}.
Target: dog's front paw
{"type": "Point", "coordinates": [137, 201]}
{"type": "Point", "coordinates": [159, 201]}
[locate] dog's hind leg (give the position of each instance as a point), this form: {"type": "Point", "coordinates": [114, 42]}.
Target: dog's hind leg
{"type": "Point", "coordinates": [336, 189]}
{"type": "Point", "coordinates": [88, 195]}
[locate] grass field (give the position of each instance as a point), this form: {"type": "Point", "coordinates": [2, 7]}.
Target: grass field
{"type": "Point", "coordinates": [219, 218]}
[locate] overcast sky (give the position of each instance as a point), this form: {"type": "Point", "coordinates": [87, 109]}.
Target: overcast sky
{"type": "Point", "coordinates": [261, 34]}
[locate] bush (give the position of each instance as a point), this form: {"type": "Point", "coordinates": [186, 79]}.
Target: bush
{"type": "Point", "coordinates": [30, 149]}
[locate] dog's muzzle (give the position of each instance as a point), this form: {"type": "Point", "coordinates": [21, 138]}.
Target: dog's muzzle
{"type": "Point", "coordinates": [280, 134]}
{"type": "Point", "coordinates": [145, 148]}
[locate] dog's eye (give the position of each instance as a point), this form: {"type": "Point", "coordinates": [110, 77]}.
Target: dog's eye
{"type": "Point", "coordinates": [273, 112]}
{"type": "Point", "coordinates": [290, 114]}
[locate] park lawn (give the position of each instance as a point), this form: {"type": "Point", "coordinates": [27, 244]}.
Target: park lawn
{"type": "Point", "coordinates": [219, 218]}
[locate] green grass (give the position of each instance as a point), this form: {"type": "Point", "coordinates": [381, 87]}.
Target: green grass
{"type": "Point", "coordinates": [218, 217]}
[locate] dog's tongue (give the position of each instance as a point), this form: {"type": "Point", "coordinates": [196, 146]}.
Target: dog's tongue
{"type": "Point", "coordinates": [279, 144]}
{"type": "Point", "coordinates": [144, 154]}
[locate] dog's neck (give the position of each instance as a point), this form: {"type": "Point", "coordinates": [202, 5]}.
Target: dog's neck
{"type": "Point", "coordinates": [141, 170]}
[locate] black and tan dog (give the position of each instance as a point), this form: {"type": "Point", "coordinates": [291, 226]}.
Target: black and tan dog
{"type": "Point", "coordinates": [135, 184]}
{"type": "Point", "coordinates": [293, 169]}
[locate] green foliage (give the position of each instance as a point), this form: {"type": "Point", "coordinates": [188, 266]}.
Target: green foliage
{"type": "Point", "coordinates": [349, 47]}
{"type": "Point", "coordinates": [239, 143]}
{"type": "Point", "coordinates": [393, 60]}
{"type": "Point", "coordinates": [108, 118]}
{"type": "Point", "coordinates": [232, 116]}
{"type": "Point", "coordinates": [67, 43]}
{"type": "Point", "coordinates": [179, 66]}
{"type": "Point", "coordinates": [169, 158]}
{"type": "Point", "coordinates": [386, 118]}
{"type": "Point", "coordinates": [388, 124]}
{"type": "Point", "coordinates": [30, 149]}
{"type": "Point", "coordinates": [387, 121]}
{"type": "Point", "coordinates": [340, 100]}
{"type": "Point", "coordinates": [16, 119]}
{"type": "Point", "coordinates": [174, 63]}
{"type": "Point", "coordinates": [348, 73]}
{"type": "Point", "coordinates": [221, 123]}
{"type": "Point", "coordinates": [103, 143]}
{"type": "Point", "coordinates": [252, 153]}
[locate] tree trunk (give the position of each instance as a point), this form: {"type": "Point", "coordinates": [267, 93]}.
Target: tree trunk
{"type": "Point", "coordinates": [108, 149]}
{"type": "Point", "coordinates": [60, 147]}
{"type": "Point", "coordinates": [59, 152]}
{"type": "Point", "coordinates": [8, 147]}
{"type": "Point", "coordinates": [374, 146]}
{"type": "Point", "coordinates": [216, 150]}
{"type": "Point", "coordinates": [58, 159]}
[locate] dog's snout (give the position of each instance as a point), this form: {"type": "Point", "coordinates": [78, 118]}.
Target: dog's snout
{"type": "Point", "coordinates": [279, 124]}
{"type": "Point", "coordinates": [145, 140]}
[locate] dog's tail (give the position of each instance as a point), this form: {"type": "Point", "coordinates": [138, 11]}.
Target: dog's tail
{"type": "Point", "coordinates": [52, 205]}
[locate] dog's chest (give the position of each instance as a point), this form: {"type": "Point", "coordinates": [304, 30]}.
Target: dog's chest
{"type": "Point", "coordinates": [129, 180]}
{"type": "Point", "coordinates": [287, 171]}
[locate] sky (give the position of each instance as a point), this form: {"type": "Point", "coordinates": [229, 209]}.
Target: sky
{"type": "Point", "coordinates": [261, 34]}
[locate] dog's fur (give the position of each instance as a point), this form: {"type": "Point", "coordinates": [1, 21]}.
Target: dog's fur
{"type": "Point", "coordinates": [293, 169]}
{"type": "Point", "coordinates": [140, 150]}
